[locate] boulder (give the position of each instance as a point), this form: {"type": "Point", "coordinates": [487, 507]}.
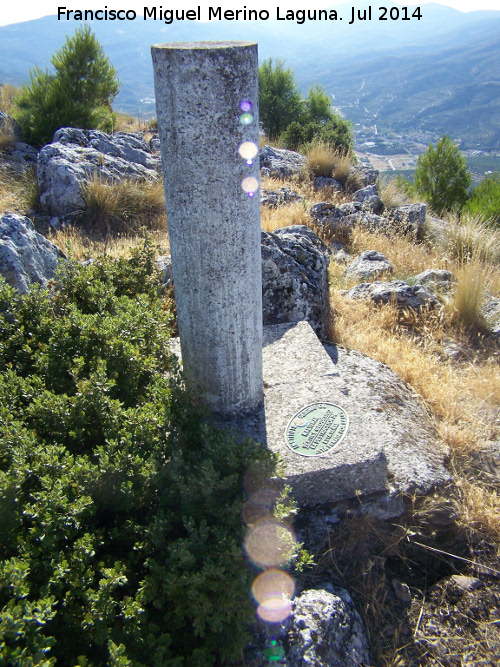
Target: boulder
{"type": "Point", "coordinates": [294, 277]}
{"type": "Point", "coordinates": [26, 256]}
{"type": "Point", "coordinates": [436, 279]}
{"type": "Point", "coordinates": [369, 199]}
{"type": "Point", "coordinates": [273, 199]}
{"type": "Point", "coordinates": [491, 314]}
{"type": "Point", "coordinates": [363, 176]}
{"type": "Point", "coordinates": [327, 631]}
{"type": "Point", "coordinates": [325, 183]}
{"type": "Point", "coordinates": [164, 265]}
{"type": "Point", "coordinates": [368, 265]}
{"type": "Point", "coordinates": [77, 156]}
{"type": "Point", "coordinates": [280, 163]}
{"type": "Point", "coordinates": [397, 291]}
{"type": "Point", "coordinates": [20, 157]}
{"type": "Point", "coordinates": [334, 219]}
{"type": "Point", "coordinates": [408, 219]}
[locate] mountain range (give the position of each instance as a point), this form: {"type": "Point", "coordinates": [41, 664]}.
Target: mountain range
{"type": "Point", "coordinates": [437, 74]}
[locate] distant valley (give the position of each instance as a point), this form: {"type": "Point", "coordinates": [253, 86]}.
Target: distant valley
{"type": "Point", "coordinates": [401, 84]}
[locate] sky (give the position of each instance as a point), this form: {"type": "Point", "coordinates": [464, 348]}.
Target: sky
{"type": "Point", "coordinates": [26, 10]}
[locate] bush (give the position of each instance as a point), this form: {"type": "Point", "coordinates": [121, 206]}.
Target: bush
{"type": "Point", "coordinates": [121, 539]}
{"type": "Point", "coordinates": [79, 94]}
{"type": "Point", "coordinates": [485, 199]}
{"type": "Point", "coordinates": [441, 176]}
{"type": "Point", "coordinates": [293, 121]}
{"type": "Point", "coordinates": [337, 133]}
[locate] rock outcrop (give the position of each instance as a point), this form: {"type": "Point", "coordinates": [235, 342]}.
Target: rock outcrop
{"type": "Point", "coordinates": [368, 265]}
{"type": "Point", "coordinates": [280, 163]}
{"type": "Point", "coordinates": [326, 630]}
{"type": "Point", "coordinates": [369, 199]}
{"type": "Point", "coordinates": [76, 156]}
{"type": "Point", "coordinates": [397, 291]}
{"type": "Point", "coordinates": [294, 277]}
{"type": "Point", "coordinates": [26, 257]}
{"type": "Point", "coordinates": [275, 198]}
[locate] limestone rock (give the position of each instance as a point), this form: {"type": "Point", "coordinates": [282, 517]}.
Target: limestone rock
{"type": "Point", "coordinates": [370, 221]}
{"type": "Point", "coordinates": [369, 264]}
{"type": "Point", "coordinates": [324, 183]}
{"type": "Point", "coordinates": [77, 155]}
{"type": "Point", "coordinates": [369, 199]}
{"type": "Point", "coordinates": [491, 314]}
{"type": "Point", "coordinates": [280, 163]}
{"type": "Point", "coordinates": [333, 218]}
{"type": "Point", "coordinates": [327, 631]}
{"type": "Point", "coordinates": [408, 218]}
{"type": "Point", "coordinates": [26, 256]}
{"type": "Point", "coordinates": [363, 176]}
{"type": "Point", "coordinates": [164, 264]}
{"type": "Point", "coordinates": [436, 279]}
{"type": "Point", "coordinates": [399, 291]}
{"type": "Point", "coordinates": [20, 157]}
{"type": "Point", "coordinates": [294, 277]}
{"type": "Point", "coordinates": [273, 199]}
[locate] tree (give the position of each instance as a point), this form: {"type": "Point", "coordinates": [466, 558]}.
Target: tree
{"type": "Point", "coordinates": [317, 107]}
{"type": "Point", "coordinates": [280, 101]}
{"type": "Point", "coordinates": [441, 176]}
{"type": "Point", "coordinates": [78, 94]}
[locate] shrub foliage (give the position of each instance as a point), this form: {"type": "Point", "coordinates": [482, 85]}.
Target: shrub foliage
{"type": "Point", "coordinates": [121, 540]}
{"type": "Point", "coordinates": [441, 176]}
{"type": "Point", "coordinates": [295, 121]}
{"type": "Point", "coordinates": [78, 94]}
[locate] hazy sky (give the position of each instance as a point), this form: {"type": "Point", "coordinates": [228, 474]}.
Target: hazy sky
{"type": "Point", "coordinates": [26, 10]}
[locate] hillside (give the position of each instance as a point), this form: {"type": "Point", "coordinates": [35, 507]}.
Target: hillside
{"type": "Point", "coordinates": [439, 74]}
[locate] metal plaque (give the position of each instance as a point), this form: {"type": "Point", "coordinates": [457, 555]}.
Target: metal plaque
{"type": "Point", "coordinates": [316, 429]}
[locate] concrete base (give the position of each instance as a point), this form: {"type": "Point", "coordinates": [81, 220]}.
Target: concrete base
{"type": "Point", "coordinates": [391, 445]}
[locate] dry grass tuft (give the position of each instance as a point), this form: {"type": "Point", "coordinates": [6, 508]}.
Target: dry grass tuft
{"type": "Point", "coordinates": [8, 95]}
{"type": "Point", "coordinates": [18, 193]}
{"type": "Point", "coordinates": [391, 193]}
{"type": "Point", "coordinates": [470, 238]}
{"type": "Point", "coordinates": [469, 294]}
{"type": "Point", "coordinates": [124, 206]}
{"type": "Point", "coordinates": [326, 160]}
{"type": "Point", "coordinates": [407, 258]}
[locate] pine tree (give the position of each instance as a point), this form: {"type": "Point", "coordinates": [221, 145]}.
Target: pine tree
{"type": "Point", "coordinates": [78, 94]}
{"type": "Point", "coordinates": [441, 176]}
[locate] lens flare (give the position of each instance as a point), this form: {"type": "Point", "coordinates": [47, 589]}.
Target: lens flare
{"type": "Point", "coordinates": [260, 505]}
{"type": "Point", "coordinates": [275, 611]}
{"type": "Point", "coordinates": [245, 105]}
{"type": "Point", "coordinates": [274, 590]}
{"type": "Point", "coordinates": [270, 543]}
{"type": "Point", "coordinates": [248, 150]}
{"type": "Point", "coordinates": [273, 584]}
{"type": "Point", "coordinates": [246, 119]}
{"type": "Point", "coordinates": [250, 185]}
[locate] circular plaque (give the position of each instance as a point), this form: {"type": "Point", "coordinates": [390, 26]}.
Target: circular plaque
{"type": "Point", "coordinates": [316, 429]}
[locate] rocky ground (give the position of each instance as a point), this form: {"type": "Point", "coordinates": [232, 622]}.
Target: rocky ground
{"type": "Point", "coordinates": [418, 586]}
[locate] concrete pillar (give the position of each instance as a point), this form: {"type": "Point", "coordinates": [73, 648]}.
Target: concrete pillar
{"type": "Point", "coordinates": [204, 91]}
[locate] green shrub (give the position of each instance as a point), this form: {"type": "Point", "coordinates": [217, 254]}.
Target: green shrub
{"type": "Point", "coordinates": [78, 94]}
{"type": "Point", "coordinates": [120, 503]}
{"type": "Point", "coordinates": [441, 176]}
{"type": "Point", "coordinates": [484, 201]}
